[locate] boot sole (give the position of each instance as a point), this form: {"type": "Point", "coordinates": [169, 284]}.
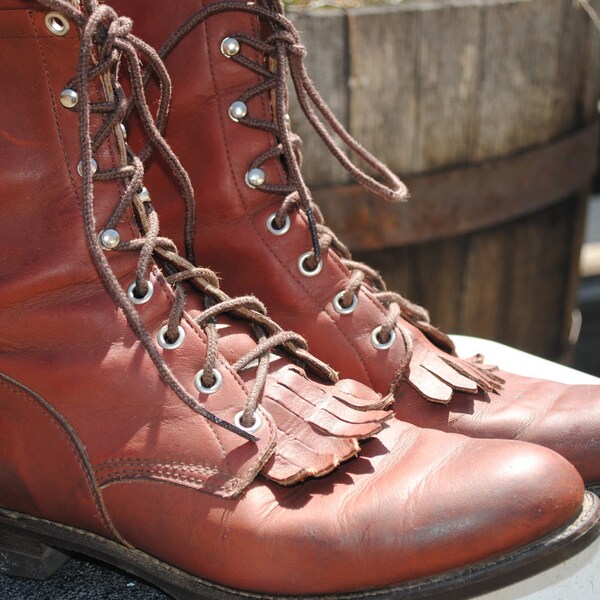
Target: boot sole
{"type": "Point", "coordinates": [35, 548]}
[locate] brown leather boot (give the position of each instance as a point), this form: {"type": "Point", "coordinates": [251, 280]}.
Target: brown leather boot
{"type": "Point", "coordinates": [151, 421]}
{"type": "Point", "coordinates": [259, 229]}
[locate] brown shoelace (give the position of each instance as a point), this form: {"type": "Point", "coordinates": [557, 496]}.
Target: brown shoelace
{"type": "Point", "coordinates": [105, 41]}
{"type": "Point", "coordinates": [283, 49]}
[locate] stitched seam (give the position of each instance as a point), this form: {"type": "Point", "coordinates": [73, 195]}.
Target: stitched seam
{"type": "Point", "coordinates": [74, 449]}
{"type": "Point", "coordinates": [199, 333]}
{"type": "Point", "coordinates": [230, 489]}
{"type": "Point", "coordinates": [109, 464]}
{"type": "Point", "coordinates": [114, 475]}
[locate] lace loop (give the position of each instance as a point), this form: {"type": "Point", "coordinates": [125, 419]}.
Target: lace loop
{"type": "Point", "coordinates": [286, 53]}
{"type": "Point", "coordinates": [106, 41]}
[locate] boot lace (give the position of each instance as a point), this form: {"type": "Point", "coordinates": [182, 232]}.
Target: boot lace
{"type": "Point", "coordinates": [106, 41]}
{"type": "Point", "coordinates": [284, 54]}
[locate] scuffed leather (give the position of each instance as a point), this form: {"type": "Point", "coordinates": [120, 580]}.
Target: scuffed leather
{"type": "Point", "coordinates": [232, 238]}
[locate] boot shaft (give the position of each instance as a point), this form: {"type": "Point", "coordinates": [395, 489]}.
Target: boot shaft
{"type": "Point", "coordinates": [240, 230]}
{"type": "Point", "coordinates": [80, 337]}
{"type": "Point", "coordinates": [42, 234]}
{"type": "Point", "coordinates": [65, 343]}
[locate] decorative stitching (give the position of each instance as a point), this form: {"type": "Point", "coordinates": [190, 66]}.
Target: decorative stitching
{"type": "Point", "coordinates": [73, 441]}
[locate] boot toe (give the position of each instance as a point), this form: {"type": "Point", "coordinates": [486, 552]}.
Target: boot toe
{"type": "Point", "coordinates": [415, 504]}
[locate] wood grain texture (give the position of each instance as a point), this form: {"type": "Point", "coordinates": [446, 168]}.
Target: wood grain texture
{"type": "Point", "coordinates": [435, 85]}
{"type": "Point", "coordinates": [460, 200]}
{"type": "Point", "coordinates": [504, 283]}
{"type": "Point", "coordinates": [425, 85]}
{"type": "Point", "coordinates": [330, 28]}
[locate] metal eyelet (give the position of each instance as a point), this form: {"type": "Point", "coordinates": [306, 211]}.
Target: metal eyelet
{"type": "Point", "coordinates": [255, 178]}
{"type": "Point", "coordinates": [238, 110]}
{"type": "Point", "coordinates": [303, 268]}
{"type": "Point", "coordinates": [109, 238]}
{"type": "Point", "coordinates": [57, 24]}
{"type": "Point", "coordinates": [237, 421]}
{"type": "Point", "coordinates": [123, 130]}
{"type": "Point", "coordinates": [340, 308]}
{"type": "Point", "coordinates": [144, 195]}
{"type": "Point", "coordinates": [215, 387]}
{"type": "Point", "coordinates": [272, 226]}
{"type": "Point", "coordinates": [149, 293]}
{"type": "Point", "coordinates": [69, 98]}
{"type": "Point", "coordinates": [230, 47]}
{"type": "Point", "coordinates": [377, 343]}
{"type": "Point", "coordinates": [162, 340]}
{"type": "Point", "coordinates": [94, 167]}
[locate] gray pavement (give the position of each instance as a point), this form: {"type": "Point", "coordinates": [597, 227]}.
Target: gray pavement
{"type": "Point", "coordinates": [79, 580]}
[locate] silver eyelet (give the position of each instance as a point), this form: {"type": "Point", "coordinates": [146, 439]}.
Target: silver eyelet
{"type": "Point", "coordinates": [123, 130]}
{"type": "Point", "coordinates": [340, 308]}
{"type": "Point", "coordinates": [144, 195]}
{"type": "Point", "coordinates": [80, 167]}
{"type": "Point", "coordinates": [237, 421]}
{"type": "Point", "coordinates": [162, 340]}
{"type": "Point", "coordinates": [69, 98]}
{"type": "Point", "coordinates": [238, 110]}
{"type": "Point", "coordinates": [131, 293]}
{"type": "Point", "coordinates": [215, 387]}
{"type": "Point", "coordinates": [109, 238]}
{"type": "Point", "coordinates": [57, 24]}
{"type": "Point", "coordinates": [230, 47]}
{"type": "Point", "coordinates": [377, 343]}
{"type": "Point", "coordinates": [272, 227]}
{"type": "Point", "coordinates": [255, 178]}
{"type": "Point", "coordinates": [302, 266]}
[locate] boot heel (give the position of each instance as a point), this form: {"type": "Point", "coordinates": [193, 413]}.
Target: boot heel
{"type": "Point", "coordinates": [21, 556]}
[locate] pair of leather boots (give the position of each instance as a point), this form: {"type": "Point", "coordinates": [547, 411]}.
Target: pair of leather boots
{"type": "Point", "coordinates": [151, 420]}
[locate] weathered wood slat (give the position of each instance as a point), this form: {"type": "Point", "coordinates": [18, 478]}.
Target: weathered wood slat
{"type": "Point", "coordinates": [330, 28]}
{"type": "Point", "coordinates": [449, 69]}
{"type": "Point", "coordinates": [506, 284]}
{"type": "Point", "coordinates": [436, 84]}
{"type": "Point", "coordinates": [519, 78]}
{"type": "Point", "coordinates": [483, 106]}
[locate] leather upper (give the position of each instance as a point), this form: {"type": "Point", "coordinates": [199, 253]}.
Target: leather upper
{"type": "Point", "coordinates": [82, 356]}
{"type": "Point", "coordinates": [232, 238]}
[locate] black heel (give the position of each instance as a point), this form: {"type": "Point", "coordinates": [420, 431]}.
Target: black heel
{"type": "Point", "coordinates": [21, 556]}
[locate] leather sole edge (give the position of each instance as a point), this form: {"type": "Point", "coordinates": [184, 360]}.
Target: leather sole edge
{"type": "Point", "coordinates": [458, 584]}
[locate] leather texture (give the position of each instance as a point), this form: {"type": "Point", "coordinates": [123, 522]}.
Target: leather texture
{"type": "Point", "coordinates": [233, 239]}
{"type": "Point", "coordinates": [93, 438]}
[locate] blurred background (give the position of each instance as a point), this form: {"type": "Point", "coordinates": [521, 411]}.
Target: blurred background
{"type": "Point", "coordinates": [488, 109]}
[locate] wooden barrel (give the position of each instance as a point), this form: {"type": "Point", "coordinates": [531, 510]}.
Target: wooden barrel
{"type": "Point", "coordinates": [487, 109]}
